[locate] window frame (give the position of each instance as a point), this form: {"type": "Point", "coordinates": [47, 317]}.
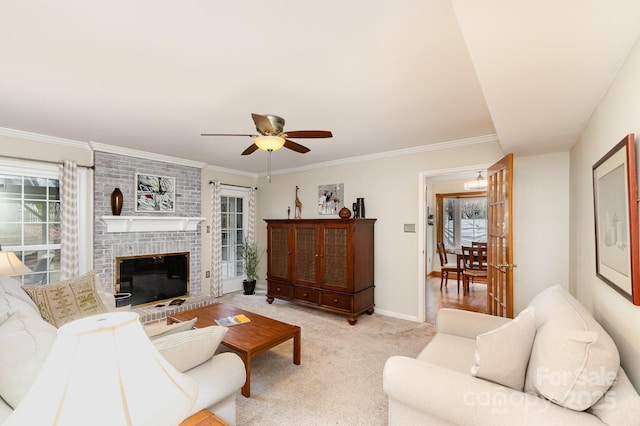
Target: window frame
{"type": "Point", "coordinates": [440, 208]}
{"type": "Point", "coordinates": [48, 170]}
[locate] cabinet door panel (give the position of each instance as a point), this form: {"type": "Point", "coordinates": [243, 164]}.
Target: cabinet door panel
{"type": "Point", "coordinates": [278, 267]}
{"type": "Point", "coordinates": [336, 258]}
{"type": "Point", "coordinates": [305, 255]}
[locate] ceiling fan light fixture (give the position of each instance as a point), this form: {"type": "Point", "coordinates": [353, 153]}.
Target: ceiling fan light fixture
{"type": "Point", "coordinates": [269, 143]}
{"type": "Point", "coordinates": [478, 183]}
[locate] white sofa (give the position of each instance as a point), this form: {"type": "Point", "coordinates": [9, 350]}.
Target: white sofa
{"type": "Point", "coordinates": [553, 364]}
{"type": "Point", "coordinates": [25, 340]}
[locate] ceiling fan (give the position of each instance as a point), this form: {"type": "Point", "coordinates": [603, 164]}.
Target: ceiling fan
{"type": "Point", "coordinates": [272, 136]}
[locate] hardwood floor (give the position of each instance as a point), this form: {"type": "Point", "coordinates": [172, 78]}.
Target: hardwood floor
{"type": "Point", "coordinates": [448, 297]}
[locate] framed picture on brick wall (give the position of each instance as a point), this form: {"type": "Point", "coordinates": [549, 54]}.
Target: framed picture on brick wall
{"type": "Point", "coordinates": [155, 193]}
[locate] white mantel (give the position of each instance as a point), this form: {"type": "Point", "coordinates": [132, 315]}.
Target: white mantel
{"type": "Point", "coordinates": [150, 223]}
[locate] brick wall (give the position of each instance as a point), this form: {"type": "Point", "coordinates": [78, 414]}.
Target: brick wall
{"type": "Point", "coordinates": [118, 171]}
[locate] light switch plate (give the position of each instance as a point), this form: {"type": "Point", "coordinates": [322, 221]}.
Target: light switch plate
{"type": "Point", "coordinates": [409, 227]}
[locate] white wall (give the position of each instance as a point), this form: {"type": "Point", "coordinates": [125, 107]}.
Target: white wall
{"type": "Point", "coordinates": [390, 187]}
{"type": "Point", "coordinates": [540, 225]}
{"type": "Point", "coordinates": [616, 116]}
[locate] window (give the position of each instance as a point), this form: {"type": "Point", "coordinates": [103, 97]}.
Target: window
{"type": "Point", "coordinates": [30, 223]}
{"type": "Point", "coordinates": [462, 218]}
{"type": "Point", "coordinates": [234, 223]}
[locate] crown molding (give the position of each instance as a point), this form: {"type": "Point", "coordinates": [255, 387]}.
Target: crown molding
{"type": "Point", "coordinates": [97, 146]}
{"type": "Point", "coordinates": [231, 171]}
{"type": "Point", "coordinates": [43, 138]}
{"type": "Point", "coordinates": [389, 154]}
{"type": "Point", "coordinates": [112, 149]}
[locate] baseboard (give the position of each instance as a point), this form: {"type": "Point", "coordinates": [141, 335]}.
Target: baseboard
{"type": "Point", "coordinates": [396, 315]}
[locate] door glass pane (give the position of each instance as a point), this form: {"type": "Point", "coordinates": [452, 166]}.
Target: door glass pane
{"type": "Point", "coordinates": [232, 235]}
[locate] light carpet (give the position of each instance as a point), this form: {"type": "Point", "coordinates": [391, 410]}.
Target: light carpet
{"type": "Point", "coordinates": [339, 381]}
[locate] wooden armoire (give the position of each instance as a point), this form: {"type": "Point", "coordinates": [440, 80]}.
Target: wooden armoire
{"type": "Point", "coordinates": [322, 263]}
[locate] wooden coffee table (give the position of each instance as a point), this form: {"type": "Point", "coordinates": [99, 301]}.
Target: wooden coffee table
{"type": "Point", "coordinates": [249, 339]}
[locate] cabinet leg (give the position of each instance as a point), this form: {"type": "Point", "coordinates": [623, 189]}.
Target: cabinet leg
{"type": "Point", "coordinates": [269, 299]}
{"type": "Point", "coordinates": [352, 320]}
{"type": "Point", "coordinates": [370, 311]}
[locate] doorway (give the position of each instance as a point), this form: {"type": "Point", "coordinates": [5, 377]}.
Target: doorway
{"type": "Point", "coordinates": [426, 224]}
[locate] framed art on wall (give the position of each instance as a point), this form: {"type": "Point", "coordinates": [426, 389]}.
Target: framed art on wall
{"type": "Point", "coordinates": [155, 193]}
{"type": "Point", "coordinates": [616, 219]}
{"type": "Point", "coordinates": [330, 198]}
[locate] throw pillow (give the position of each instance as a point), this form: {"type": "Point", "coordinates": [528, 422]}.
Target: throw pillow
{"type": "Point", "coordinates": [191, 348]}
{"type": "Point", "coordinates": [573, 360]}
{"type": "Point", "coordinates": [68, 300]}
{"type": "Point", "coordinates": [177, 327]}
{"type": "Point", "coordinates": [502, 354]}
{"type": "Point", "coordinates": [27, 340]}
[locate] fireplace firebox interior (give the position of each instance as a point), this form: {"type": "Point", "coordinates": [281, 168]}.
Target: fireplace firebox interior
{"type": "Point", "coordinates": [153, 278]}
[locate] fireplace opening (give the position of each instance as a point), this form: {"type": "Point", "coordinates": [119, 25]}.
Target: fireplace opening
{"type": "Point", "coordinates": [153, 278]}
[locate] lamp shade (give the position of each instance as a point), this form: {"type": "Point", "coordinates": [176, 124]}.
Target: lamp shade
{"type": "Point", "coordinates": [103, 370]}
{"type": "Point", "coordinates": [11, 265]}
{"type": "Point", "coordinates": [269, 143]}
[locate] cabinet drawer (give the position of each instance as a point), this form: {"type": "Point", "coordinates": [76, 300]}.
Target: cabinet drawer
{"type": "Point", "coordinates": [337, 301]}
{"type": "Point", "coordinates": [306, 295]}
{"type": "Point", "coordinates": [277, 289]}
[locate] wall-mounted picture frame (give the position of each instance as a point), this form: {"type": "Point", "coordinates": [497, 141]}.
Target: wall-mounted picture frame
{"type": "Point", "coordinates": [330, 198]}
{"type": "Point", "coordinates": [616, 219]}
{"type": "Point", "coordinates": [155, 193]}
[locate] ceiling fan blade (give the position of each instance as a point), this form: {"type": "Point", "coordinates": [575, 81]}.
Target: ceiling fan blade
{"type": "Point", "coordinates": [263, 125]}
{"type": "Point", "coordinates": [250, 150]}
{"type": "Point", "coordinates": [223, 134]}
{"type": "Point", "coordinates": [295, 146]}
{"type": "Point", "coordinates": [309, 134]}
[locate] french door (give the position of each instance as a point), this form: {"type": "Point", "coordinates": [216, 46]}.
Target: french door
{"type": "Point", "coordinates": [234, 223]}
{"type": "Point", "coordinates": [500, 238]}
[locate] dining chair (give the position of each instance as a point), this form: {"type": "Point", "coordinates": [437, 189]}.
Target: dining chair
{"type": "Point", "coordinates": [479, 244]}
{"type": "Point", "coordinates": [474, 265]}
{"type": "Point", "coordinates": [446, 267]}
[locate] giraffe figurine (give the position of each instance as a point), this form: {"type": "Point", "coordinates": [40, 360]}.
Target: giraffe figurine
{"type": "Point", "coordinates": [298, 211]}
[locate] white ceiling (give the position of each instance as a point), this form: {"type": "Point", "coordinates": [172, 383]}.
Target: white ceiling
{"type": "Point", "coordinates": [152, 75]}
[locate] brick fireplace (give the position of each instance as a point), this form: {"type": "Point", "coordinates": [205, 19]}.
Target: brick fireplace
{"type": "Point", "coordinates": [118, 171]}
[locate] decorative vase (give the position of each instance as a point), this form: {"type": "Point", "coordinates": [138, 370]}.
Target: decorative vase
{"type": "Point", "coordinates": [355, 211]}
{"type": "Point", "coordinates": [360, 207]}
{"type": "Point", "coordinates": [249, 286]}
{"type": "Point", "coordinates": [344, 213]}
{"type": "Point", "coordinates": [116, 202]}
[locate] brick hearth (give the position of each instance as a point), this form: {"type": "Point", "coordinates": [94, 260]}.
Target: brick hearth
{"type": "Point", "coordinates": [151, 313]}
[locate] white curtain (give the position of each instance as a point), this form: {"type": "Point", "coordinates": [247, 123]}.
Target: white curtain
{"type": "Point", "coordinates": [69, 255]}
{"type": "Point", "coordinates": [216, 241]}
{"type": "Point", "coordinates": [251, 232]}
